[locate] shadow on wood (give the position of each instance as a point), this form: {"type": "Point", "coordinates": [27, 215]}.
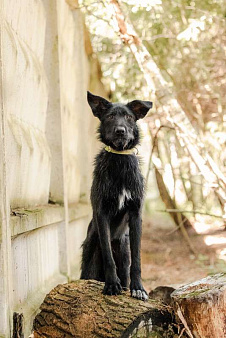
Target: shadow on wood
{"type": "Point", "coordinates": [79, 309]}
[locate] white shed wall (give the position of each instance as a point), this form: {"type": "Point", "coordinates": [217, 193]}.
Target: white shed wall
{"type": "Point", "coordinates": [46, 67]}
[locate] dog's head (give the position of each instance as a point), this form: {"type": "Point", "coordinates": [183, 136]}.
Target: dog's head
{"type": "Point", "coordinates": [118, 127]}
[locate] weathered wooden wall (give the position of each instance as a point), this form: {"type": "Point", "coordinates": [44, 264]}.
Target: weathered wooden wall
{"type": "Point", "coordinates": [47, 146]}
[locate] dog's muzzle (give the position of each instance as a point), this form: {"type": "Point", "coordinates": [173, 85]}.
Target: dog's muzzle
{"type": "Point", "coordinates": [120, 130]}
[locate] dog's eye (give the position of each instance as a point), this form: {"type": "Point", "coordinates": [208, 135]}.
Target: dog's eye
{"type": "Point", "coordinates": [110, 117]}
{"type": "Point", "coordinates": [129, 117]}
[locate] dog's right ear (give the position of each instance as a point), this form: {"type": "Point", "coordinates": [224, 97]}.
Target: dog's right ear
{"type": "Point", "coordinates": [98, 104]}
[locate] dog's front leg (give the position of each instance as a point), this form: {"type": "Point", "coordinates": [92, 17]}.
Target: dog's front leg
{"type": "Point", "coordinates": [112, 282]}
{"type": "Point", "coordinates": [136, 287]}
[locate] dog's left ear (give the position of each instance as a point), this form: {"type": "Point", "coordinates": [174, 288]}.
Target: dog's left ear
{"type": "Point", "coordinates": [139, 108]}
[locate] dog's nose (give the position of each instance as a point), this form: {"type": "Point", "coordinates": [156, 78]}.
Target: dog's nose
{"type": "Point", "coordinates": [120, 130]}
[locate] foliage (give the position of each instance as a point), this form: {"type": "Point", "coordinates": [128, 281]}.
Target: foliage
{"type": "Point", "coordinates": [187, 41]}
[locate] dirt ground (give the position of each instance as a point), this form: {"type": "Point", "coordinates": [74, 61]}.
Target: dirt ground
{"type": "Point", "coordinates": [167, 260]}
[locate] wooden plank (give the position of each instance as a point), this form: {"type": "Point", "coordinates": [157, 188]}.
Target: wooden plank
{"type": "Point", "coordinates": [28, 219]}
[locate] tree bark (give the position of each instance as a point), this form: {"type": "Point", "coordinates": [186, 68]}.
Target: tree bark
{"type": "Point", "coordinates": [79, 309]}
{"type": "Point", "coordinates": [201, 306]}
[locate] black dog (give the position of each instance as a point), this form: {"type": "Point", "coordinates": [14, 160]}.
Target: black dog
{"type": "Point", "coordinates": [111, 251]}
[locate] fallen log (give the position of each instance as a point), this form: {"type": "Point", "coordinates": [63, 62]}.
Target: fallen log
{"type": "Point", "coordinates": [201, 306]}
{"type": "Point", "coordinates": [79, 309]}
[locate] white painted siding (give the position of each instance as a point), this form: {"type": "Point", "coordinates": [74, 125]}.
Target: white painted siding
{"type": "Point", "coordinates": [77, 232]}
{"type": "Point", "coordinates": [45, 71]}
{"type": "Point", "coordinates": [25, 96]}
{"type": "Point", "coordinates": [37, 249]}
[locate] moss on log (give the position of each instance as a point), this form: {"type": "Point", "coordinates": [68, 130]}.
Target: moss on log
{"type": "Point", "coordinates": [201, 306]}
{"type": "Point", "coordinates": [79, 309]}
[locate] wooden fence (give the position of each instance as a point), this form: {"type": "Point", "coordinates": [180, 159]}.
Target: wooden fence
{"type": "Point", "coordinates": [47, 144]}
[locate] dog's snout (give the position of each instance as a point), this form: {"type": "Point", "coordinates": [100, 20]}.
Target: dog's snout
{"type": "Point", "coordinates": [120, 130]}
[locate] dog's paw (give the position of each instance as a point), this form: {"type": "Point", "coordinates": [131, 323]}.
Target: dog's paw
{"type": "Point", "coordinates": [139, 294]}
{"type": "Point", "coordinates": [137, 291]}
{"type": "Point", "coordinates": [112, 288]}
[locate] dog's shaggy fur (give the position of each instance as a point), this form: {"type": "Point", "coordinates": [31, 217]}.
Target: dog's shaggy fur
{"type": "Point", "coordinates": [111, 251]}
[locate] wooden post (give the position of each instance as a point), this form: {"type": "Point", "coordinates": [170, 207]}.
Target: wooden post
{"type": "Point", "coordinates": [5, 231]}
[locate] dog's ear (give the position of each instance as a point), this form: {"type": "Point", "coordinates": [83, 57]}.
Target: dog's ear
{"type": "Point", "coordinates": [98, 104]}
{"type": "Point", "coordinates": [139, 108]}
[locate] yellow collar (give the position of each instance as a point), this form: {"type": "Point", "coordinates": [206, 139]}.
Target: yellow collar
{"type": "Point", "coordinates": [132, 151]}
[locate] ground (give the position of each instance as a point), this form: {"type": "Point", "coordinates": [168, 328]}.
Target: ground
{"type": "Point", "coordinates": [167, 260]}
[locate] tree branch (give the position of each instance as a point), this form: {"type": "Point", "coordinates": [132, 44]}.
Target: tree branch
{"type": "Point", "coordinates": [190, 212]}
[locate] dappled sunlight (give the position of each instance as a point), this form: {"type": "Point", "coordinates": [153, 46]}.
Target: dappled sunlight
{"type": "Point", "coordinates": [222, 254]}
{"type": "Point", "coordinates": [203, 227]}
{"type": "Point", "coordinates": [193, 30]}
{"type": "Point", "coordinates": [214, 239]}
{"type": "Point", "coordinates": [217, 239]}
{"type": "Point", "coordinates": [144, 3]}
{"type": "Point", "coordinates": [168, 178]}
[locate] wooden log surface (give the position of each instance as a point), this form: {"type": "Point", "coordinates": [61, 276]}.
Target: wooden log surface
{"type": "Point", "coordinates": [79, 309]}
{"type": "Point", "coordinates": [201, 306]}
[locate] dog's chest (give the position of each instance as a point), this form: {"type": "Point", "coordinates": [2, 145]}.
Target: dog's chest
{"type": "Point", "coordinates": [123, 197]}
{"type": "Point", "coordinates": [117, 181]}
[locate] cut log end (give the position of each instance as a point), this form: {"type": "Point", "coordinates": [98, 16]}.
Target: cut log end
{"type": "Point", "coordinates": [201, 306]}
{"type": "Point", "coordinates": [79, 309]}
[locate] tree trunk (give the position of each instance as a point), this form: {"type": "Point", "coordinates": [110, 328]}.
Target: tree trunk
{"type": "Point", "coordinates": [201, 306]}
{"type": "Point", "coordinates": [178, 217]}
{"type": "Point", "coordinates": [165, 196]}
{"type": "Point", "coordinates": [79, 309]}
{"type": "Point", "coordinates": [169, 203]}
